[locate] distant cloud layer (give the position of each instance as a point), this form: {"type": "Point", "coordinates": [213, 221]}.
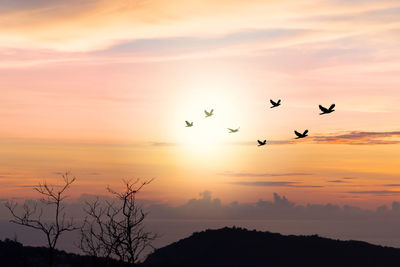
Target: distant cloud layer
{"type": "Point", "coordinates": [280, 207]}
{"type": "Point", "coordinates": [207, 207]}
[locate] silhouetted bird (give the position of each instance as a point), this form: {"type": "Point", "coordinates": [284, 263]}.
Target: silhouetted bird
{"type": "Point", "coordinates": [209, 114]}
{"type": "Point", "coordinates": [189, 124]}
{"type": "Point", "coordinates": [275, 104]}
{"type": "Point", "coordinates": [299, 135]}
{"type": "Point", "coordinates": [326, 110]}
{"type": "Point", "coordinates": [233, 130]}
{"type": "Point", "coordinates": [261, 143]}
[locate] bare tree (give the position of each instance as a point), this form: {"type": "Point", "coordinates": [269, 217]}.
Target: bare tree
{"type": "Point", "coordinates": [115, 229]}
{"type": "Point", "coordinates": [32, 214]}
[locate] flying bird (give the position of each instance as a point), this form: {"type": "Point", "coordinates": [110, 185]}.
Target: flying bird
{"type": "Point", "coordinates": [209, 114]}
{"type": "Point", "coordinates": [275, 104]}
{"type": "Point", "coordinates": [327, 110]}
{"type": "Point", "coordinates": [189, 124]}
{"type": "Point", "coordinates": [299, 135]}
{"type": "Point", "coordinates": [233, 130]}
{"type": "Point", "coordinates": [261, 143]}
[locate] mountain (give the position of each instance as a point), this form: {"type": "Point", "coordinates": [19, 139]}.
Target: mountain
{"type": "Point", "coordinates": [237, 247]}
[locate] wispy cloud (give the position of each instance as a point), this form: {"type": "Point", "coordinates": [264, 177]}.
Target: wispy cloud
{"type": "Point", "coordinates": [359, 138]}
{"type": "Point", "coordinates": [269, 142]}
{"type": "Point", "coordinates": [375, 192]}
{"type": "Point", "coordinates": [87, 25]}
{"type": "Point", "coordinates": [252, 174]}
{"type": "Point", "coordinates": [94, 173]}
{"type": "Point", "coordinates": [275, 184]}
{"type": "Point", "coordinates": [33, 186]}
{"type": "Point", "coordinates": [163, 144]}
{"type": "Point", "coordinates": [337, 181]}
{"type": "Point", "coordinates": [345, 138]}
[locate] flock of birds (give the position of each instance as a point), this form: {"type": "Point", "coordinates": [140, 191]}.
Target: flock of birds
{"type": "Point", "coordinates": [274, 104]}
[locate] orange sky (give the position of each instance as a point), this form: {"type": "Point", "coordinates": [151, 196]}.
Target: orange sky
{"type": "Point", "coordinates": [102, 88]}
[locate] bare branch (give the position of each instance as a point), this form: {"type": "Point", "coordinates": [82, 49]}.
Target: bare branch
{"type": "Point", "coordinates": [31, 215]}
{"type": "Point", "coordinates": [115, 229]}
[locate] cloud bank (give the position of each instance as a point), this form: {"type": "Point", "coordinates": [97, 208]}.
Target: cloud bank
{"type": "Point", "coordinates": [279, 207]}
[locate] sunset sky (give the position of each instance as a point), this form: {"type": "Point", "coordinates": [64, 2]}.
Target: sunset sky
{"type": "Point", "coordinates": [103, 89]}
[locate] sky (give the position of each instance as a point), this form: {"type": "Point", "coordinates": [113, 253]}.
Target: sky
{"type": "Point", "coordinates": [103, 88]}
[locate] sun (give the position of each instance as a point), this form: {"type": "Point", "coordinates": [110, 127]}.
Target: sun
{"type": "Point", "coordinates": [209, 135]}
{"type": "Point", "coordinates": [206, 136]}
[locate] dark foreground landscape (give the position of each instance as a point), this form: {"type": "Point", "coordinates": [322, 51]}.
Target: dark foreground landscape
{"type": "Point", "coordinates": [227, 247]}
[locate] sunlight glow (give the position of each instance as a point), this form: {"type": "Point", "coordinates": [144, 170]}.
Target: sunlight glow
{"type": "Point", "coordinates": [209, 135]}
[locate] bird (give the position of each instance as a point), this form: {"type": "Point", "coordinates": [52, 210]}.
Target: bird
{"type": "Point", "coordinates": [275, 104]}
{"type": "Point", "coordinates": [326, 110]}
{"type": "Point", "coordinates": [209, 114]}
{"type": "Point", "coordinates": [261, 143]}
{"type": "Point", "coordinates": [189, 124]}
{"type": "Point", "coordinates": [299, 135]}
{"type": "Point", "coordinates": [233, 130]}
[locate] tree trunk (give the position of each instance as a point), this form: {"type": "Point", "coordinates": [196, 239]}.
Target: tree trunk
{"type": "Point", "coordinates": [51, 257]}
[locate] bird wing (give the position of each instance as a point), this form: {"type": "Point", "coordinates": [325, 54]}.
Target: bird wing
{"type": "Point", "coordinates": [305, 132]}
{"type": "Point", "coordinates": [211, 112]}
{"type": "Point", "coordinates": [230, 129]}
{"type": "Point", "coordinates": [187, 123]}
{"type": "Point", "coordinates": [259, 142]}
{"type": "Point", "coordinates": [323, 109]}
{"type": "Point", "coordinates": [298, 134]}
{"type": "Point", "coordinates": [332, 107]}
{"type": "Point", "coordinates": [208, 114]}
{"type": "Point", "coordinates": [272, 102]}
{"type": "Point", "coordinates": [279, 101]}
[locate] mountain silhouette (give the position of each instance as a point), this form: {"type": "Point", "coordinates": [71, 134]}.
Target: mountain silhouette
{"type": "Point", "coordinates": [14, 254]}
{"type": "Point", "coordinates": [240, 247]}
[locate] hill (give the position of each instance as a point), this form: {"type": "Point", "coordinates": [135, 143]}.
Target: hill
{"type": "Point", "coordinates": [237, 247]}
{"type": "Point", "coordinates": [14, 254]}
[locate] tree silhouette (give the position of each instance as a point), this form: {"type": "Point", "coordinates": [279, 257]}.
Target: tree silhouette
{"type": "Point", "coordinates": [32, 213]}
{"type": "Point", "coordinates": [115, 229]}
